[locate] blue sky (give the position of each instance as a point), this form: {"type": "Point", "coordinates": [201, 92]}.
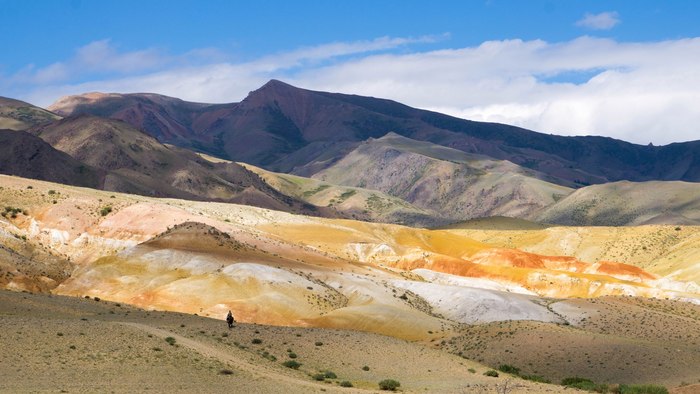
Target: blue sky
{"type": "Point", "coordinates": [626, 69]}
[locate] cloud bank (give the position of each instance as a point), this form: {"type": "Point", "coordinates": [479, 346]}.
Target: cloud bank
{"type": "Point", "coordinates": [639, 92]}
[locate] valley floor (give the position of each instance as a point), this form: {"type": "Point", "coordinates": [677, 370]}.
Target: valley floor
{"type": "Point", "coordinates": [64, 344]}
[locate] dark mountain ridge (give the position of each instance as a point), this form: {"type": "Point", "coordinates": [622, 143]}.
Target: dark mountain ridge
{"type": "Point", "coordinates": [287, 129]}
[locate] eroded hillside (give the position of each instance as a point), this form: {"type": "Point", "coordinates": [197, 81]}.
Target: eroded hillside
{"type": "Point", "coordinates": [280, 269]}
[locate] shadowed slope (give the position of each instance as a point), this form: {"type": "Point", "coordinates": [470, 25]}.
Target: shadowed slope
{"type": "Point", "coordinates": [24, 155]}
{"type": "Point", "coordinates": [140, 164]}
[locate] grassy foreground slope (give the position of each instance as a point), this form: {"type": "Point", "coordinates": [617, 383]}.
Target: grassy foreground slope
{"type": "Point", "coordinates": [92, 346]}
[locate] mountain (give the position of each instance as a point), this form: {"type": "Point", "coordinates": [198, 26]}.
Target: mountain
{"type": "Point", "coordinates": [284, 128]}
{"type": "Point", "coordinates": [18, 115]}
{"type": "Point", "coordinates": [455, 184]}
{"type": "Point", "coordinates": [24, 155]}
{"type": "Point", "coordinates": [137, 163]}
{"type": "Point", "coordinates": [354, 202]}
{"type": "Point", "coordinates": [627, 204]}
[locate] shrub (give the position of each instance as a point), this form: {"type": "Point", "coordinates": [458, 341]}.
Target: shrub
{"type": "Point", "coordinates": [389, 384]}
{"type": "Point", "coordinates": [291, 364]}
{"type": "Point", "coordinates": [318, 343]}
{"type": "Point", "coordinates": [345, 383]}
{"type": "Point", "coordinates": [105, 210]}
{"type": "Point", "coordinates": [642, 389]}
{"type": "Point", "coordinates": [330, 375]}
{"type": "Point", "coordinates": [509, 369]}
{"type": "Point", "coordinates": [52, 192]}
{"type": "Point", "coordinates": [256, 341]}
{"type": "Point", "coordinates": [292, 355]}
{"type": "Point", "coordinates": [536, 378]}
{"type": "Point", "coordinates": [225, 372]}
{"type": "Point", "coordinates": [319, 376]}
{"type": "Point", "coordinates": [491, 373]}
{"type": "Point", "coordinates": [584, 384]}
{"type": "Point", "coordinates": [472, 370]}
{"type": "Point", "coordinates": [171, 341]}
{"type": "Point", "coordinates": [365, 368]}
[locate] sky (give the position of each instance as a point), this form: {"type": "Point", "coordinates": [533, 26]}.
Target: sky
{"type": "Point", "coordinates": [624, 69]}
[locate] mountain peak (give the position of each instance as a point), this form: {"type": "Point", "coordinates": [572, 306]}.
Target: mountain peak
{"type": "Point", "coordinates": [275, 86]}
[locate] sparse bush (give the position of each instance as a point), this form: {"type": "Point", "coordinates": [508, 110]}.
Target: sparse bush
{"type": "Point", "coordinates": [584, 384]}
{"type": "Point", "coordinates": [52, 192]}
{"type": "Point", "coordinates": [642, 389]}
{"type": "Point", "coordinates": [105, 210]}
{"type": "Point", "coordinates": [509, 369]}
{"type": "Point", "coordinates": [292, 364]}
{"type": "Point", "coordinates": [330, 375]}
{"type": "Point", "coordinates": [345, 383]}
{"type": "Point", "coordinates": [472, 370]}
{"type": "Point", "coordinates": [491, 373]}
{"type": "Point", "coordinates": [389, 384]}
{"type": "Point", "coordinates": [157, 349]}
{"type": "Point", "coordinates": [536, 378]}
{"type": "Point", "coordinates": [171, 341]}
{"type": "Point", "coordinates": [319, 376]}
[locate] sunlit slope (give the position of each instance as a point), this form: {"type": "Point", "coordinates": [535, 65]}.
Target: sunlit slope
{"type": "Point", "coordinates": [455, 184]}
{"type": "Point", "coordinates": [356, 202]}
{"type": "Point", "coordinates": [672, 251]}
{"type": "Point", "coordinates": [18, 115]}
{"type": "Point", "coordinates": [627, 203]}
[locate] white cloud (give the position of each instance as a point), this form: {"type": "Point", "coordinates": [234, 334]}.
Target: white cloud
{"type": "Point", "coordinates": [639, 92]}
{"type": "Point", "coordinates": [95, 58]}
{"type": "Point", "coordinates": [602, 21]}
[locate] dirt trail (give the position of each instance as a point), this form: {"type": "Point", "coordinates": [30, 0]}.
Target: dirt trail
{"type": "Point", "coordinates": [238, 363]}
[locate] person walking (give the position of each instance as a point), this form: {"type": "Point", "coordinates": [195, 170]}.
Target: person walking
{"type": "Point", "coordinates": [229, 319]}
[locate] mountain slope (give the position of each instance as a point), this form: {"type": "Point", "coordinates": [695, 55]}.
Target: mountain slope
{"type": "Point", "coordinates": [165, 118]}
{"type": "Point", "coordinates": [355, 202]}
{"type": "Point", "coordinates": [24, 155]}
{"type": "Point", "coordinates": [627, 204]}
{"type": "Point", "coordinates": [280, 127]}
{"type": "Point", "coordinates": [458, 185]}
{"type": "Point", "coordinates": [18, 115]}
{"type": "Point", "coordinates": [138, 163]}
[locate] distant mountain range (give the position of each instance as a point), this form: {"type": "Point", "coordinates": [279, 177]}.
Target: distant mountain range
{"type": "Point", "coordinates": [286, 129]}
{"type": "Point", "coordinates": [338, 155]}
